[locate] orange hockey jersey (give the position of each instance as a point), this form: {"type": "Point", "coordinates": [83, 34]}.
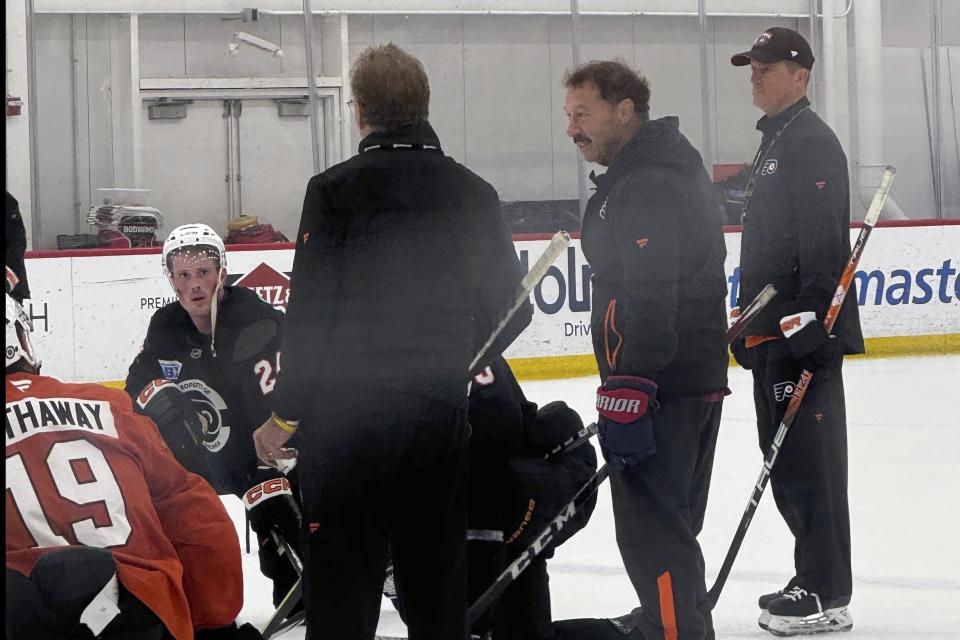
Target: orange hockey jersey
{"type": "Point", "coordinates": [83, 469]}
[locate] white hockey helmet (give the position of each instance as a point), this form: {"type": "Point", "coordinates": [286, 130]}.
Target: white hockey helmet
{"type": "Point", "coordinates": [193, 235]}
{"type": "Point", "coordinates": [18, 345]}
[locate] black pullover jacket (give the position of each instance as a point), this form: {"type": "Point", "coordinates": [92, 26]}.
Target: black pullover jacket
{"type": "Point", "coordinates": [654, 241]}
{"type": "Point", "coordinates": [796, 225]}
{"type": "Point", "coordinates": [403, 268]}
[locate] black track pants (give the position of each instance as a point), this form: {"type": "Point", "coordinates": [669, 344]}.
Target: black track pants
{"type": "Point", "coordinates": [658, 506]}
{"type": "Point", "coordinates": [809, 480]}
{"type": "Point", "coordinates": [385, 472]}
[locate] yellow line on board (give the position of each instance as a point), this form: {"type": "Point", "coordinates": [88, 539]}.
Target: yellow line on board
{"type": "Point", "coordinates": [553, 367]}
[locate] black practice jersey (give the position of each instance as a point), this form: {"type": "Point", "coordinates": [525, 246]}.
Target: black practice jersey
{"type": "Point", "coordinates": [230, 383]}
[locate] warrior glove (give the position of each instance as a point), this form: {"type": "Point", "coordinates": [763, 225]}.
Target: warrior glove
{"type": "Point", "coordinates": [625, 426]}
{"type": "Point", "coordinates": [180, 425]}
{"type": "Point", "coordinates": [809, 343]}
{"type": "Point", "coordinates": [271, 507]}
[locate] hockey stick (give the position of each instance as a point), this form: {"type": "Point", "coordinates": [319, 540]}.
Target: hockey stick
{"type": "Point", "coordinates": [573, 441]}
{"type": "Point", "coordinates": [801, 389]}
{"type": "Point", "coordinates": [750, 312]}
{"type": "Point", "coordinates": [557, 244]}
{"type": "Point", "coordinates": [495, 590]}
{"type": "Point", "coordinates": [278, 622]}
{"type": "Point", "coordinates": [517, 567]}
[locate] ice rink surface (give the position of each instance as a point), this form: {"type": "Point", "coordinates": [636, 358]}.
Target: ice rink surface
{"type": "Point", "coordinates": [904, 444]}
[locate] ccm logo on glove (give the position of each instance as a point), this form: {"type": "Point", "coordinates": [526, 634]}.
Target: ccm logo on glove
{"type": "Point", "coordinates": [152, 388]}
{"type": "Point", "coordinates": [266, 490]}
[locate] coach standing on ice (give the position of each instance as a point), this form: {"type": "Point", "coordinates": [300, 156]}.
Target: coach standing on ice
{"type": "Point", "coordinates": [402, 269]}
{"type": "Point", "coordinates": [796, 236]}
{"type": "Point", "coordinates": [655, 244]}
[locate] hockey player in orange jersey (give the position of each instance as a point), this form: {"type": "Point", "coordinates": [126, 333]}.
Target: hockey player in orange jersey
{"type": "Point", "coordinates": [107, 536]}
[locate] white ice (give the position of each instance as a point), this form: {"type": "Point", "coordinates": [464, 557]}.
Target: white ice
{"type": "Point", "coordinates": [904, 448]}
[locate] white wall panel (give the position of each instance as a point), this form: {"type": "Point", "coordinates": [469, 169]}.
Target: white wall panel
{"type": "Point", "coordinates": [162, 46]}
{"type": "Point", "coordinates": [55, 137]}
{"type": "Point", "coordinates": [290, 38]}
{"type": "Point", "coordinates": [906, 142]}
{"type": "Point", "coordinates": [508, 104]}
{"type": "Point", "coordinates": [667, 54]}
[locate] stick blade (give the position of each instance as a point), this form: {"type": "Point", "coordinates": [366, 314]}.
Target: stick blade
{"type": "Point", "coordinates": [880, 197]}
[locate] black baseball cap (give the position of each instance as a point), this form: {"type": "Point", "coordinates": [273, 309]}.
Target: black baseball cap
{"type": "Point", "coordinates": [776, 44]}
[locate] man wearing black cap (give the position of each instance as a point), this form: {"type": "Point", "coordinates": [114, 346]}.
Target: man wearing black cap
{"type": "Point", "coordinates": [796, 235]}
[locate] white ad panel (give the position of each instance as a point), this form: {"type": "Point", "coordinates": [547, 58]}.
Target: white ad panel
{"type": "Point", "coordinates": [91, 313]}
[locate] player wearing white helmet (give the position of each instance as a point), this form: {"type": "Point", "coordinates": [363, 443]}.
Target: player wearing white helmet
{"type": "Point", "coordinates": [96, 544]}
{"type": "Point", "coordinates": [205, 375]}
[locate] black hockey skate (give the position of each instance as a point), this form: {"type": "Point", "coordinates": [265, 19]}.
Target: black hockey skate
{"type": "Point", "coordinates": [798, 612]}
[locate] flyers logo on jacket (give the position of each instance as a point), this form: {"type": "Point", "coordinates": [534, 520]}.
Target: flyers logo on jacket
{"type": "Point", "coordinates": [271, 285]}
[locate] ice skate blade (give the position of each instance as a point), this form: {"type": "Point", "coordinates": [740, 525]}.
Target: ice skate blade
{"type": "Point", "coordinates": [764, 619]}
{"type": "Point", "coordinates": [831, 620]}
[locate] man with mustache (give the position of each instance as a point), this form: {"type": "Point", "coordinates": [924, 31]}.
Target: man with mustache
{"type": "Point", "coordinates": [655, 244]}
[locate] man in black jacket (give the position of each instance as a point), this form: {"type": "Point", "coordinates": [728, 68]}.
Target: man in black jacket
{"type": "Point", "coordinates": [402, 270]}
{"type": "Point", "coordinates": [796, 236]}
{"type": "Point", "coordinates": [655, 245]}
{"type": "Point", "coordinates": [204, 376]}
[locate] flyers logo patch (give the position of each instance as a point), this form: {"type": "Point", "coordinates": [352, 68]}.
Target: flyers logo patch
{"type": "Point", "coordinates": [820, 184]}
{"type": "Point", "coordinates": [642, 242]}
{"type": "Point", "coordinates": [769, 167]}
{"type": "Point", "coordinates": [784, 390]}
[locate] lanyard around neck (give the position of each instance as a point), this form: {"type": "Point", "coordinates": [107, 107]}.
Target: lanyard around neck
{"type": "Point", "coordinates": [760, 160]}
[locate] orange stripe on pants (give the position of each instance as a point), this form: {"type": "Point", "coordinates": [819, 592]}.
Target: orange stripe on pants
{"type": "Point", "coordinates": [668, 616]}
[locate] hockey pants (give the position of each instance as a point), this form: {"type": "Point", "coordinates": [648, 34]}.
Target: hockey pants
{"type": "Point", "coordinates": [658, 507]}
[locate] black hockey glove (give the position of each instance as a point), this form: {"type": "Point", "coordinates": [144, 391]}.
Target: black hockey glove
{"type": "Point", "coordinates": [741, 353]}
{"type": "Point", "coordinates": [180, 425]}
{"type": "Point", "coordinates": [808, 341]}
{"type": "Point", "coordinates": [625, 426]}
{"type": "Point", "coordinates": [271, 507]}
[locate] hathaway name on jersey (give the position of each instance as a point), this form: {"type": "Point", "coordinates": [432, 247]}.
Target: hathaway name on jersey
{"type": "Point", "coordinates": [34, 415]}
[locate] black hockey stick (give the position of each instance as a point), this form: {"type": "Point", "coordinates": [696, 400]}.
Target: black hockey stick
{"type": "Point", "coordinates": [539, 269]}
{"type": "Point", "coordinates": [750, 312]}
{"type": "Point", "coordinates": [279, 623]}
{"type": "Point", "coordinates": [495, 590]}
{"type": "Point", "coordinates": [801, 389]}
{"type": "Point", "coordinates": [573, 441]}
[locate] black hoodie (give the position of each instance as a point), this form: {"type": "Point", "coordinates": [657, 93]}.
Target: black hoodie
{"type": "Point", "coordinates": [655, 245]}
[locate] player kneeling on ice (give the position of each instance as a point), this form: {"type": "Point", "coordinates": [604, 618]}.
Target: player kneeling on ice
{"type": "Point", "coordinates": [107, 536]}
{"type": "Point", "coordinates": [515, 490]}
{"type": "Point", "coordinates": [205, 375]}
